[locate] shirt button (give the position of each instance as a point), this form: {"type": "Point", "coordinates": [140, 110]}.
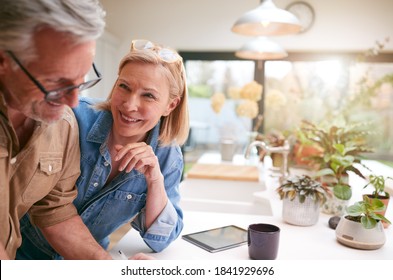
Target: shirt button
{"type": "Point", "coordinates": [106, 163]}
{"type": "Point", "coordinates": [129, 196]}
{"type": "Point", "coordinates": [95, 184]}
{"type": "Point", "coordinates": [13, 160]}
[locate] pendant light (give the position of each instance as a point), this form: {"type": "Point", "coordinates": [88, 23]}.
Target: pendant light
{"type": "Point", "coordinates": [261, 48]}
{"type": "Point", "coordinates": [267, 20]}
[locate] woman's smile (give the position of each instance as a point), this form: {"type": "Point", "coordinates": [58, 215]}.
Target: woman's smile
{"type": "Point", "coordinates": [128, 119]}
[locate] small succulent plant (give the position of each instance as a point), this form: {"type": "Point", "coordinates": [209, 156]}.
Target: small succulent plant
{"type": "Point", "coordinates": [365, 212]}
{"type": "Point", "coordinates": [302, 187]}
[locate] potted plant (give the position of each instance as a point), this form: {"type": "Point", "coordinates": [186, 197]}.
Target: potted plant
{"type": "Point", "coordinates": [303, 149]}
{"type": "Point", "coordinates": [302, 198]}
{"type": "Point", "coordinates": [272, 139]}
{"type": "Point", "coordinates": [378, 182]}
{"type": "Point", "coordinates": [343, 146]}
{"type": "Point", "coordinates": [361, 228]}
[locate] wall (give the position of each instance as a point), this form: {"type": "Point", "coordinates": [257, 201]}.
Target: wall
{"type": "Point", "coordinates": [107, 61]}
{"type": "Point", "coordinates": [350, 25]}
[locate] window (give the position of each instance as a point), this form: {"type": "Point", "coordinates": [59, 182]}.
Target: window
{"type": "Point", "coordinates": [206, 77]}
{"type": "Point", "coordinates": [309, 86]}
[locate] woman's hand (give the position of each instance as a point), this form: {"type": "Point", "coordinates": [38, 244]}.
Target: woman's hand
{"type": "Point", "coordinates": [141, 157]}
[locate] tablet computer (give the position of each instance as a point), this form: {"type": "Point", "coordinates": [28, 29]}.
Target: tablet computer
{"type": "Point", "coordinates": [218, 239]}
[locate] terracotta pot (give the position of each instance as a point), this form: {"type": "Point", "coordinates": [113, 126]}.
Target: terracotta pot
{"type": "Point", "coordinates": [301, 152]}
{"type": "Point", "coordinates": [353, 234]}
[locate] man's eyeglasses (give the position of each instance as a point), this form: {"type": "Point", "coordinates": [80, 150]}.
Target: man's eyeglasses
{"type": "Point", "coordinates": [54, 95]}
{"type": "Point", "coordinates": [165, 54]}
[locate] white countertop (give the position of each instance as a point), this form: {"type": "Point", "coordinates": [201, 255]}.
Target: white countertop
{"type": "Point", "coordinates": [296, 243]}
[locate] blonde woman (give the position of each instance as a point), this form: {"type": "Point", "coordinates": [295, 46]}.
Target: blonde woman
{"type": "Point", "coordinates": [131, 161]}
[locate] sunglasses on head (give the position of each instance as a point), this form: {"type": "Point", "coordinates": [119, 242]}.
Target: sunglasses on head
{"type": "Point", "coordinates": [165, 54]}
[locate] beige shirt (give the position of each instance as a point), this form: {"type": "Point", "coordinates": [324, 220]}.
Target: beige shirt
{"type": "Point", "coordinates": [40, 178]}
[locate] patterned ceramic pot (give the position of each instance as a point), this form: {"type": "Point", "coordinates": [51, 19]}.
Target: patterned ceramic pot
{"type": "Point", "coordinates": [335, 206]}
{"type": "Point", "coordinates": [300, 214]}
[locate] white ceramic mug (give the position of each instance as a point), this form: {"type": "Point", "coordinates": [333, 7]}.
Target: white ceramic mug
{"type": "Point", "coordinates": [227, 147]}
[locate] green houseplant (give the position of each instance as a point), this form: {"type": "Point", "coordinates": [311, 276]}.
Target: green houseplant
{"type": "Point", "coordinates": [378, 183]}
{"type": "Point", "coordinates": [366, 212]}
{"type": "Point", "coordinates": [362, 227]}
{"type": "Point", "coordinates": [343, 146]}
{"type": "Point", "coordinates": [303, 149]}
{"type": "Point", "coordinates": [302, 197]}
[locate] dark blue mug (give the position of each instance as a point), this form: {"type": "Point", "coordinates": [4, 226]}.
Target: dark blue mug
{"type": "Point", "coordinates": [263, 241]}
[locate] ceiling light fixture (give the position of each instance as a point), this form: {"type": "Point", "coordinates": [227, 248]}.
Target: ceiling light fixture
{"type": "Point", "coordinates": [261, 48]}
{"type": "Point", "coordinates": [267, 20]}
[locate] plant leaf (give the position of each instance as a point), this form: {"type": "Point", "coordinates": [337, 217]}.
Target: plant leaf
{"type": "Point", "coordinates": [343, 192]}
{"type": "Point", "coordinates": [368, 222]}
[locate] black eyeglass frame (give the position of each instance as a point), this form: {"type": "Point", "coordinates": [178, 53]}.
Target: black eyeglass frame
{"type": "Point", "coordinates": [53, 95]}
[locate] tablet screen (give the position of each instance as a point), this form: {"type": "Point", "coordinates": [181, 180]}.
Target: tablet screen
{"type": "Point", "coordinates": [218, 239]}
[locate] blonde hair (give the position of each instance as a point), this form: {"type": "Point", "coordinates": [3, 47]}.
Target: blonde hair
{"type": "Point", "coordinates": [174, 128]}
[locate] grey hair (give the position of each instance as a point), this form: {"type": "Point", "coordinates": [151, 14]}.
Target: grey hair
{"type": "Point", "coordinates": [83, 20]}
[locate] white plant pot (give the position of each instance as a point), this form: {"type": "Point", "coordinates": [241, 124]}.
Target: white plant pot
{"type": "Point", "coordinates": [300, 214]}
{"type": "Point", "coordinates": [335, 206]}
{"type": "Point", "coordinates": [353, 234]}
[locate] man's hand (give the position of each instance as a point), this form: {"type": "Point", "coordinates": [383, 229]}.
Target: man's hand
{"type": "Point", "coordinates": [73, 240]}
{"type": "Point", "coordinates": [141, 256]}
{"type": "Point", "coordinates": [3, 253]}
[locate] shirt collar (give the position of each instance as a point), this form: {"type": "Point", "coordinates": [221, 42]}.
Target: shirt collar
{"type": "Point", "coordinates": [101, 128]}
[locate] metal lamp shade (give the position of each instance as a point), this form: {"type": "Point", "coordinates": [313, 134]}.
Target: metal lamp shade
{"type": "Point", "coordinates": [261, 48]}
{"type": "Point", "coordinates": [267, 20]}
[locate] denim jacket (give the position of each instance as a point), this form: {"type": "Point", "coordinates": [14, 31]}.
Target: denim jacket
{"type": "Point", "coordinates": [104, 208]}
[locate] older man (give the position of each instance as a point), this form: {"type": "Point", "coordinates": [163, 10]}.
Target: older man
{"type": "Point", "coordinates": [46, 49]}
